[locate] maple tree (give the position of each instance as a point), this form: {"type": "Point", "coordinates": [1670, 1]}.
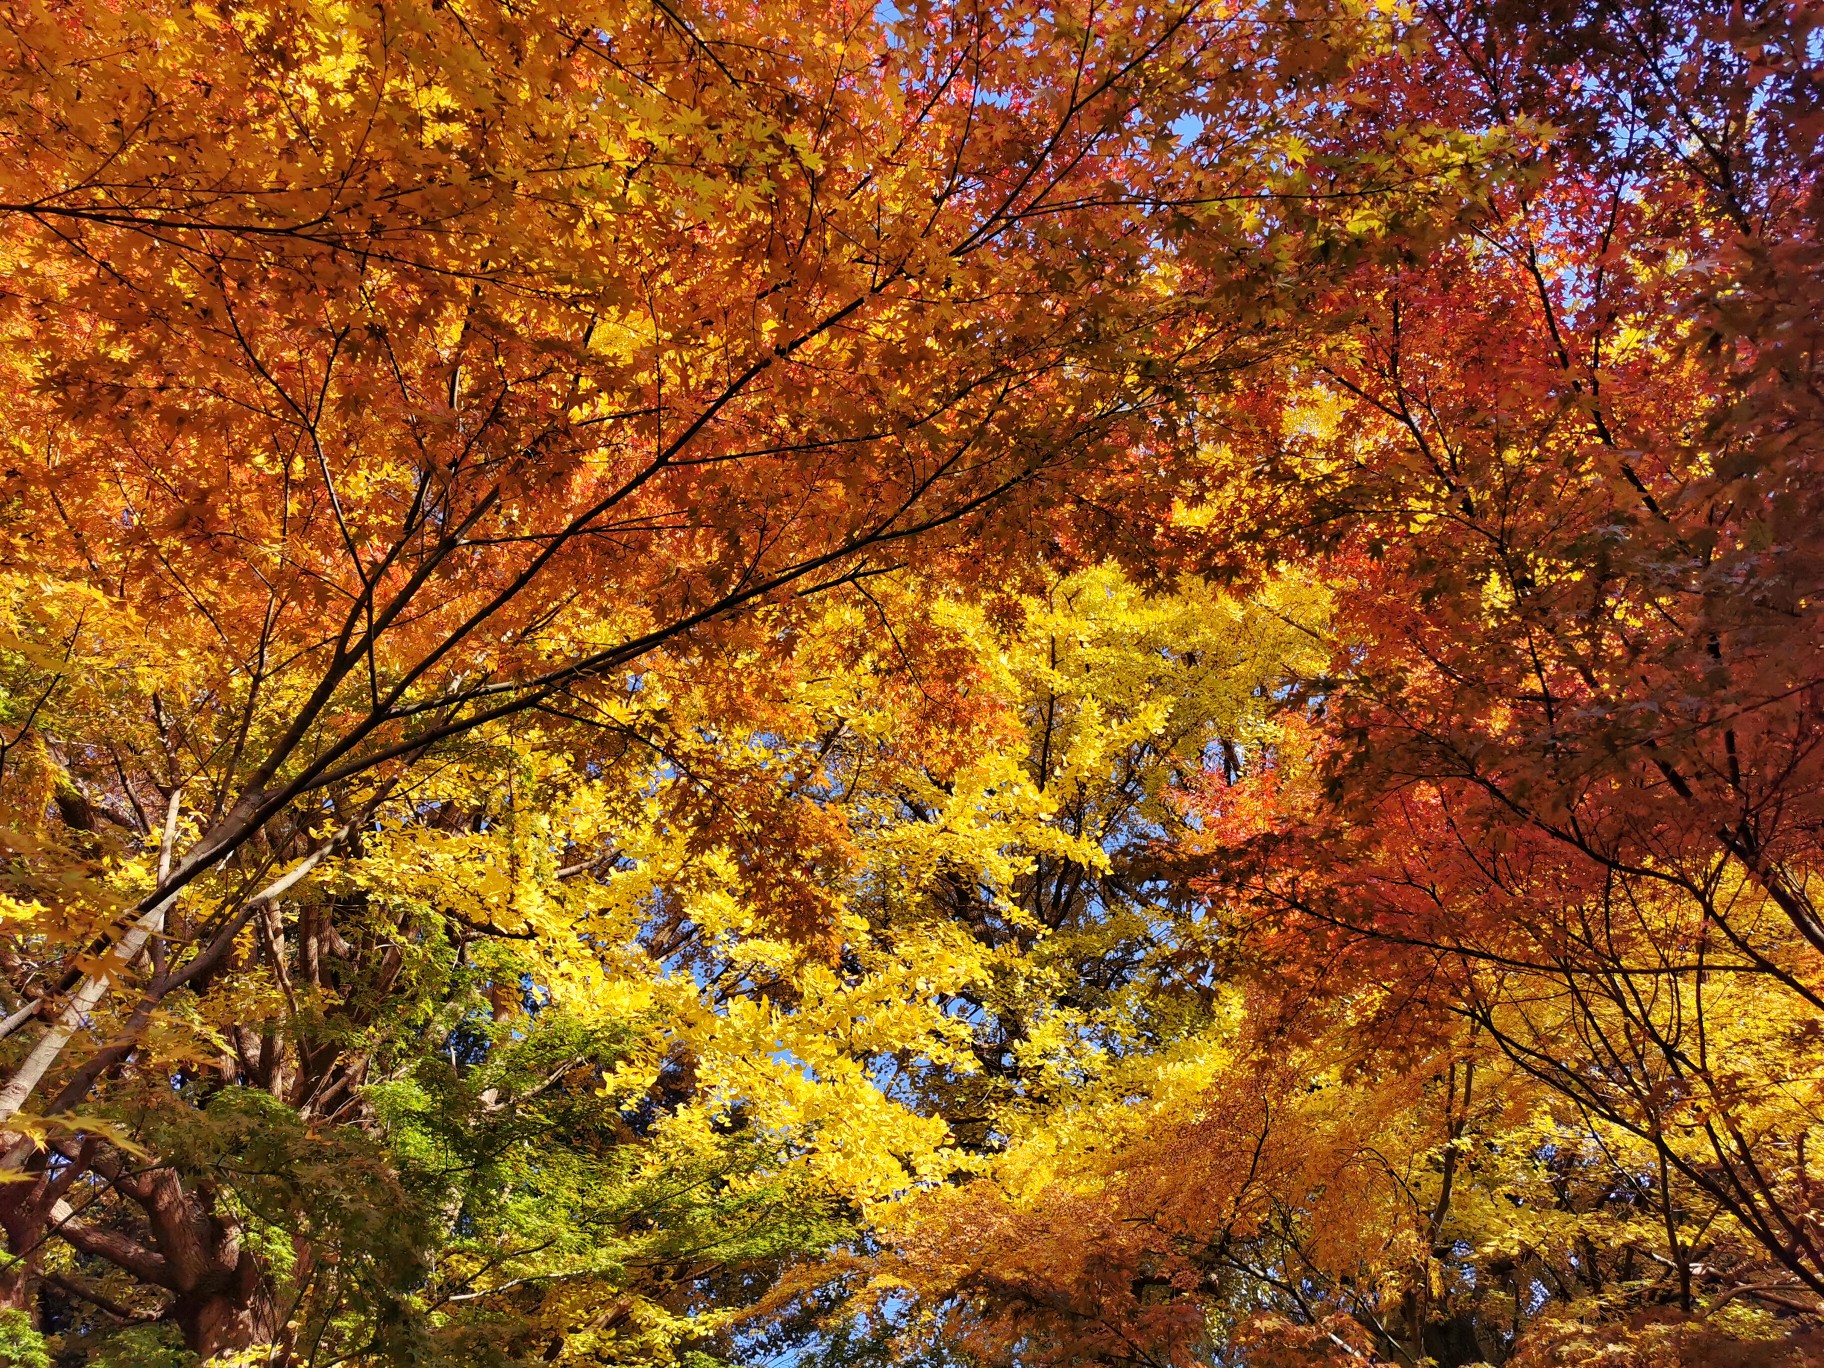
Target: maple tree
{"type": "Point", "coordinates": [1551, 826]}
{"type": "Point", "coordinates": [384, 378]}
{"type": "Point", "coordinates": [1564, 471]}
{"type": "Point", "coordinates": [932, 683]}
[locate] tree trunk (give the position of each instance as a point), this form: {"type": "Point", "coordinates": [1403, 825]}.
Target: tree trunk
{"type": "Point", "coordinates": [222, 1305]}
{"type": "Point", "coordinates": [227, 1311]}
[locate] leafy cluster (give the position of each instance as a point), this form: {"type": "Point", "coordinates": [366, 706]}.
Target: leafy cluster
{"type": "Point", "coordinates": [915, 684]}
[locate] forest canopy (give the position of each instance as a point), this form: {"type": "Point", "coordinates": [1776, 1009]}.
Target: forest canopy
{"type": "Point", "coordinates": [966, 685]}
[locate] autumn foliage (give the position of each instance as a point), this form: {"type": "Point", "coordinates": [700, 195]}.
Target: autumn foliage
{"type": "Point", "coordinates": [948, 684]}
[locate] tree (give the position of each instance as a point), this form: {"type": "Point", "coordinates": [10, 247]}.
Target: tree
{"type": "Point", "coordinates": [1552, 828]}
{"type": "Point", "coordinates": [1017, 878]}
{"type": "Point", "coordinates": [563, 1052]}
{"type": "Point", "coordinates": [381, 377]}
{"type": "Point", "coordinates": [1565, 473]}
{"type": "Point", "coordinates": [988, 683]}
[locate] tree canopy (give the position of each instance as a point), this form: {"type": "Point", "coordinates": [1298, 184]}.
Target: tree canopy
{"type": "Point", "coordinates": [956, 684]}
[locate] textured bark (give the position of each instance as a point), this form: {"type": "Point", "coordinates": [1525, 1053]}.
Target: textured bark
{"type": "Point", "coordinates": [228, 1309]}
{"type": "Point", "coordinates": [219, 1297]}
